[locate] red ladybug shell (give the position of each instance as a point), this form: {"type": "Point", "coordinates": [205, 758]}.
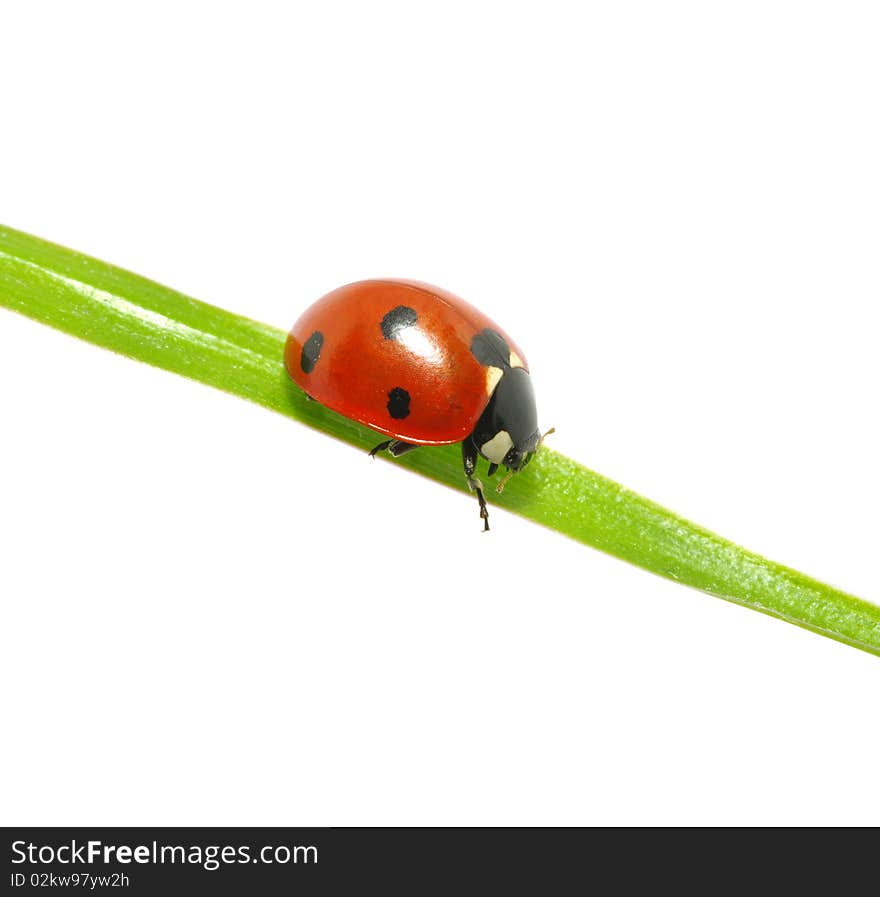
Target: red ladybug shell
{"type": "Point", "coordinates": [396, 356]}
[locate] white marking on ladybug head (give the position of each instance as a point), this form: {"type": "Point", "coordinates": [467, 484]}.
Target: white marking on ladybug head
{"type": "Point", "coordinates": [515, 360]}
{"type": "Point", "coordinates": [493, 375]}
{"type": "Point", "coordinates": [496, 449]}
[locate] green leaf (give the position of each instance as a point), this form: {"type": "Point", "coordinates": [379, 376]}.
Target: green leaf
{"type": "Point", "coordinates": [136, 317]}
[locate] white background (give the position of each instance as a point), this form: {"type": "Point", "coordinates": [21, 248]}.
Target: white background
{"type": "Point", "coordinates": [211, 614]}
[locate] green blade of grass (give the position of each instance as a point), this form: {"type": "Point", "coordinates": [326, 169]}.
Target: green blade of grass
{"type": "Point", "coordinates": [136, 317]}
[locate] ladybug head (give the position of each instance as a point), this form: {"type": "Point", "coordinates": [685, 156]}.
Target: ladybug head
{"type": "Point", "coordinates": [507, 432]}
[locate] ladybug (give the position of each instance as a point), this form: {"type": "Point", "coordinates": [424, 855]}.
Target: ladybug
{"type": "Point", "coordinates": [422, 367]}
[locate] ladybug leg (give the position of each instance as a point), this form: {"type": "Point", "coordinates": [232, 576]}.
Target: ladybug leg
{"type": "Point", "coordinates": [380, 447]}
{"type": "Point", "coordinates": [398, 448]}
{"type": "Point", "coordinates": [469, 456]}
{"type": "Point", "coordinates": [394, 447]}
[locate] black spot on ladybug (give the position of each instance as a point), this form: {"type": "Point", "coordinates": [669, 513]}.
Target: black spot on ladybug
{"type": "Point", "coordinates": [398, 319]}
{"type": "Point", "coordinates": [311, 351]}
{"type": "Point", "coordinates": [491, 349]}
{"type": "Point", "coordinates": [398, 403]}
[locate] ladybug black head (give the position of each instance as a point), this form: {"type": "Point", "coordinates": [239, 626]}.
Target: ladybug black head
{"type": "Point", "coordinates": [507, 432]}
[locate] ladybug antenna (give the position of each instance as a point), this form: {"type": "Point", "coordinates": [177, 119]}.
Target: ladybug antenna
{"type": "Point", "coordinates": [500, 487]}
